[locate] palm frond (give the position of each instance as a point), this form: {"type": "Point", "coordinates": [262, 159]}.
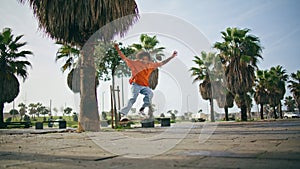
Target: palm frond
{"type": "Point", "coordinates": [74, 21]}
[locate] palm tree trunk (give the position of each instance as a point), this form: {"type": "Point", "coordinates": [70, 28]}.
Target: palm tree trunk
{"type": "Point", "coordinates": [212, 113]}
{"type": "Point", "coordinates": [1, 115]}
{"type": "Point", "coordinates": [226, 113]}
{"type": "Point", "coordinates": [262, 111]}
{"type": "Point", "coordinates": [114, 100]}
{"type": "Point", "coordinates": [89, 116]}
{"type": "Point", "coordinates": [244, 112]}
{"type": "Point", "coordinates": [280, 110]}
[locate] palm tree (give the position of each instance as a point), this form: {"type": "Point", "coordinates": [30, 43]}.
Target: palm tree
{"type": "Point", "coordinates": [70, 55]}
{"type": "Point", "coordinates": [239, 53]}
{"type": "Point", "coordinates": [203, 74]}
{"type": "Point", "coordinates": [222, 95]}
{"type": "Point", "coordinates": [149, 44]}
{"type": "Point", "coordinates": [290, 103]}
{"type": "Point", "coordinates": [22, 110]}
{"type": "Point", "coordinates": [277, 80]}
{"type": "Point", "coordinates": [43, 110]}
{"type": "Point", "coordinates": [294, 85]}
{"type": "Point", "coordinates": [261, 92]}
{"type": "Point", "coordinates": [32, 109]}
{"type": "Point", "coordinates": [12, 63]}
{"type": "Point", "coordinates": [74, 22]}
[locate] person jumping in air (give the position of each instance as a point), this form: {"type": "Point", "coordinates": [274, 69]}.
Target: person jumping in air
{"type": "Point", "coordinates": [141, 69]}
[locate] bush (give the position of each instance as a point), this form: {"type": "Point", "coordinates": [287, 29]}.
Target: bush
{"type": "Point", "coordinates": [26, 118]}
{"type": "Point", "coordinates": [8, 119]}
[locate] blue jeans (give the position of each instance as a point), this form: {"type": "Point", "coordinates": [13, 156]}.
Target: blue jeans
{"type": "Point", "coordinates": [135, 91]}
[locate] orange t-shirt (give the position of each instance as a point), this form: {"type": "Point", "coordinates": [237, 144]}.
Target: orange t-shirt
{"type": "Point", "coordinates": [141, 71]}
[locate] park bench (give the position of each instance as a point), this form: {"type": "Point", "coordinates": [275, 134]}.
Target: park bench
{"type": "Point", "coordinates": [18, 124]}
{"type": "Point", "coordinates": [198, 120]}
{"type": "Point", "coordinates": [62, 124]}
{"type": "Point", "coordinates": [164, 121]}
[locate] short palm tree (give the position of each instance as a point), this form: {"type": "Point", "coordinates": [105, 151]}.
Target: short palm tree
{"type": "Point", "coordinates": [32, 109]}
{"type": "Point", "coordinates": [12, 63]}
{"type": "Point", "coordinates": [203, 73]}
{"type": "Point", "coordinates": [294, 85]}
{"type": "Point", "coordinates": [74, 22]}
{"type": "Point", "coordinates": [290, 103]}
{"type": "Point", "coordinates": [22, 110]}
{"type": "Point", "coordinates": [239, 53]}
{"type": "Point", "coordinates": [149, 44]}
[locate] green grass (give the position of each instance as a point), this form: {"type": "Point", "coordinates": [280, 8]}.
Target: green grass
{"type": "Point", "coordinates": [69, 119]}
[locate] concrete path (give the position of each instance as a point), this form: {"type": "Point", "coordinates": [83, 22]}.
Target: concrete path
{"type": "Point", "coordinates": [265, 144]}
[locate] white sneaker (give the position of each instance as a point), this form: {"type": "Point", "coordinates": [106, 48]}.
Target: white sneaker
{"type": "Point", "coordinates": [141, 112]}
{"type": "Point", "coordinates": [123, 117]}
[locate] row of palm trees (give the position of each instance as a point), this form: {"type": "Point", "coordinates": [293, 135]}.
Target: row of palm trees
{"type": "Point", "coordinates": [270, 89]}
{"type": "Point", "coordinates": [74, 25]}
{"type": "Point", "coordinates": [37, 109]}
{"type": "Point", "coordinates": [233, 75]}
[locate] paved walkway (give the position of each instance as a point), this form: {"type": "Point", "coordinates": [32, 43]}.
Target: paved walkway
{"type": "Point", "coordinates": [265, 144]}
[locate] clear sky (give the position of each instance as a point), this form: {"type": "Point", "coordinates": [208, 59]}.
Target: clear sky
{"type": "Point", "coordinates": [275, 22]}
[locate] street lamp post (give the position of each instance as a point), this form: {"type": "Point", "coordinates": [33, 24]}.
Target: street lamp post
{"type": "Point", "coordinates": [187, 103]}
{"type": "Point", "coordinates": [103, 93]}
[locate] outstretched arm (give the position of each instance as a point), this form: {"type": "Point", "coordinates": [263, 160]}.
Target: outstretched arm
{"type": "Point", "coordinates": [168, 59]}
{"type": "Point", "coordinates": [120, 52]}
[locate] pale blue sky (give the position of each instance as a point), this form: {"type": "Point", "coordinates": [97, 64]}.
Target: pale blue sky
{"type": "Point", "coordinates": [275, 22]}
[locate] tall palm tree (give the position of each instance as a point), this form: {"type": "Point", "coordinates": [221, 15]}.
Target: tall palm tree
{"type": "Point", "coordinates": [74, 22]}
{"type": "Point", "coordinates": [239, 53]}
{"type": "Point", "coordinates": [149, 44]}
{"type": "Point", "coordinates": [12, 63]}
{"type": "Point", "coordinates": [294, 85]}
{"type": "Point", "coordinates": [290, 103]}
{"type": "Point", "coordinates": [203, 73]}
{"type": "Point", "coordinates": [70, 55]}
{"type": "Point", "coordinates": [278, 77]}
{"type": "Point", "coordinates": [261, 92]}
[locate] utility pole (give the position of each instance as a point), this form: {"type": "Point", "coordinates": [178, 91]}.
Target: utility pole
{"type": "Point", "coordinates": [103, 101]}
{"type": "Point", "coordinates": [187, 103]}
{"type": "Point", "coordinates": [122, 92]}
{"type": "Point", "coordinates": [50, 106]}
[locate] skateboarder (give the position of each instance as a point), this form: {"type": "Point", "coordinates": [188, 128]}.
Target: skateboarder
{"type": "Point", "coordinates": [141, 69]}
